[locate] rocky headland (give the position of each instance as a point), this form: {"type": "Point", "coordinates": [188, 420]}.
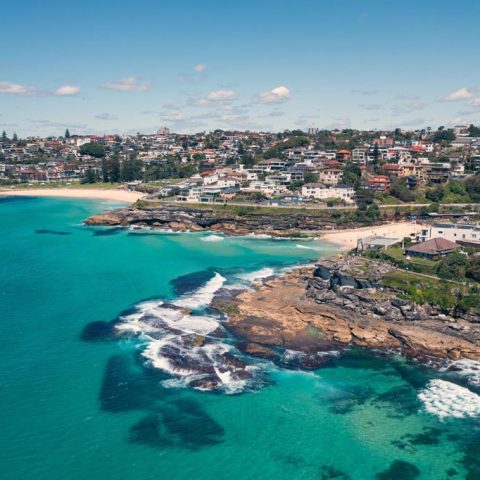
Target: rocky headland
{"type": "Point", "coordinates": [343, 302]}
{"type": "Point", "coordinates": [230, 221]}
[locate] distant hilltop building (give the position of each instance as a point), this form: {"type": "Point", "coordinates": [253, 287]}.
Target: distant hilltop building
{"type": "Point", "coordinates": [312, 131]}
{"type": "Point", "coordinates": [162, 131]}
{"type": "Point", "coordinates": [461, 130]}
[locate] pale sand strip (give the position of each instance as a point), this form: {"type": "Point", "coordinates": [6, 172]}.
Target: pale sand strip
{"type": "Point", "coordinates": [348, 238]}
{"type": "Point", "coordinates": [99, 194]}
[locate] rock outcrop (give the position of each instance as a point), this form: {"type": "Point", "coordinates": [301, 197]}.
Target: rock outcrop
{"type": "Point", "coordinates": [185, 218]}
{"type": "Point", "coordinates": [341, 303]}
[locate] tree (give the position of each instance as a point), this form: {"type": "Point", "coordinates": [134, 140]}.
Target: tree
{"type": "Point", "coordinates": [472, 185]}
{"type": "Point", "coordinates": [310, 177]}
{"type": "Point", "coordinates": [4, 136]}
{"type": "Point", "coordinates": [373, 212]}
{"type": "Point", "coordinates": [457, 187]}
{"type": "Point", "coordinates": [131, 170]}
{"type": "Point", "coordinates": [364, 198]}
{"type": "Point", "coordinates": [89, 177]}
{"type": "Point", "coordinates": [400, 191]}
{"type": "Point", "coordinates": [93, 149]}
{"type": "Point", "coordinates": [442, 135]}
{"type": "Point", "coordinates": [67, 133]}
{"type": "Point", "coordinates": [15, 137]}
{"type": "Point", "coordinates": [452, 266]}
{"type": "Point", "coordinates": [114, 170]}
{"type": "Point", "coordinates": [435, 194]}
{"type": "Point", "coordinates": [376, 154]}
{"type": "Point", "coordinates": [473, 268]}
{"type": "Point", "coordinates": [352, 175]}
{"type": "Point", "coordinates": [474, 131]}
{"type": "Point", "coordinates": [105, 171]}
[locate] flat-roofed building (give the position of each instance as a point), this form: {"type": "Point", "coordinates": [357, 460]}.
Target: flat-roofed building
{"type": "Point", "coordinates": [455, 232]}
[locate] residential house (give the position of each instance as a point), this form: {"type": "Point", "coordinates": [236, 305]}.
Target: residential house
{"type": "Point", "coordinates": [436, 247]}
{"type": "Point", "coordinates": [320, 191]}
{"type": "Point", "coordinates": [330, 176]}
{"type": "Point", "coordinates": [378, 184]}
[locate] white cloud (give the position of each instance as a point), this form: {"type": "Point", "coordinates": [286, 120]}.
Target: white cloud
{"type": "Point", "coordinates": [66, 90]}
{"type": "Point", "coordinates": [16, 89]}
{"type": "Point", "coordinates": [475, 102]}
{"type": "Point", "coordinates": [128, 84]}
{"type": "Point", "coordinates": [221, 95]}
{"type": "Point", "coordinates": [277, 95]}
{"type": "Point", "coordinates": [460, 94]}
{"type": "Point", "coordinates": [200, 67]}
{"type": "Point", "coordinates": [10, 88]}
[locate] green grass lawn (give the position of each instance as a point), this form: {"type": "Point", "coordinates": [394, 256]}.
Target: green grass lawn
{"type": "Point", "coordinates": [420, 289]}
{"type": "Point", "coordinates": [398, 254]}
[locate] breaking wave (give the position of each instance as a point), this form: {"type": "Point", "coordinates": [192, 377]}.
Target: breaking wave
{"type": "Point", "coordinates": [445, 399]}
{"type": "Point", "coordinates": [203, 296]}
{"type": "Point", "coordinates": [188, 343]}
{"type": "Point", "coordinates": [212, 238]}
{"type": "Point", "coordinates": [257, 275]}
{"type": "Point", "coordinates": [468, 369]}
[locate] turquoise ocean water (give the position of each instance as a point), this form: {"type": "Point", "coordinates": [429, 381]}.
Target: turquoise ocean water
{"type": "Point", "coordinates": [76, 403]}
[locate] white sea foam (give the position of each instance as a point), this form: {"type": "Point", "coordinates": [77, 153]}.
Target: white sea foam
{"type": "Point", "coordinates": [201, 325]}
{"type": "Point", "coordinates": [257, 275]}
{"type": "Point", "coordinates": [258, 235]}
{"type": "Point", "coordinates": [445, 399]}
{"type": "Point", "coordinates": [203, 296]}
{"type": "Point", "coordinates": [180, 343]}
{"type": "Point", "coordinates": [466, 368]}
{"type": "Point", "coordinates": [212, 238]}
{"type": "Point", "coordinates": [304, 247]}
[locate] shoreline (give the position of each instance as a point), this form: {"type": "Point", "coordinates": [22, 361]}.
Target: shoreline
{"type": "Point", "coordinates": [94, 194]}
{"type": "Point", "coordinates": [347, 239]}
{"type": "Point", "coordinates": [297, 310]}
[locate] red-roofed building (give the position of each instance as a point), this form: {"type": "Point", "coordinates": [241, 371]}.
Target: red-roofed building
{"type": "Point", "coordinates": [392, 169]}
{"type": "Point", "coordinates": [378, 184]}
{"type": "Point", "coordinates": [432, 248]}
{"type": "Point", "coordinates": [343, 155]}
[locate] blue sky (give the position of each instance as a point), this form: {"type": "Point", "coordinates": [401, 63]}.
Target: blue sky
{"type": "Point", "coordinates": [128, 66]}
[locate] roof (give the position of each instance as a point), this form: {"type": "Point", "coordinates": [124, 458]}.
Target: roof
{"type": "Point", "coordinates": [314, 185]}
{"type": "Point", "coordinates": [376, 241]}
{"type": "Point", "coordinates": [378, 179]}
{"type": "Point", "coordinates": [391, 166]}
{"type": "Point", "coordinates": [433, 246]}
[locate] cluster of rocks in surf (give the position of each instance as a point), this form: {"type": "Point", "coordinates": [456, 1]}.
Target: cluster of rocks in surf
{"type": "Point", "coordinates": [181, 218]}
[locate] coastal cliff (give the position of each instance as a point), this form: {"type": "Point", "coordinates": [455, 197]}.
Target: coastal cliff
{"type": "Point", "coordinates": [229, 220]}
{"type": "Point", "coordinates": [344, 302]}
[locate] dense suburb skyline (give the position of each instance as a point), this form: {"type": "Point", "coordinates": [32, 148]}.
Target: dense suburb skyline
{"type": "Point", "coordinates": [128, 66]}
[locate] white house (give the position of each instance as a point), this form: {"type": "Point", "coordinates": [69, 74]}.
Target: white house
{"type": "Point", "coordinates": [359, 155]}
{"type": "Point", "coordinates": [267, 188]}
{"type": "Point", "coordinates": [321, 192]}
{"type": "Point", "coordinates": [210, 179]}
{"type": "Point", "coordinates": [451, 231]}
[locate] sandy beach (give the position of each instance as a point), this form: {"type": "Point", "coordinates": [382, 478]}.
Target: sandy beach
{"type": "Point", "coordinates": [348, 238]}
{"type": "Point", "coordinates": [99, 194]}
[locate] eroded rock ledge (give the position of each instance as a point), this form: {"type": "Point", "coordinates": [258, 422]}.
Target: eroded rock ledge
{"type": "Point", "coordinates": [338, 304]}
{"type": "Point", "coordinates": [181, 218]}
